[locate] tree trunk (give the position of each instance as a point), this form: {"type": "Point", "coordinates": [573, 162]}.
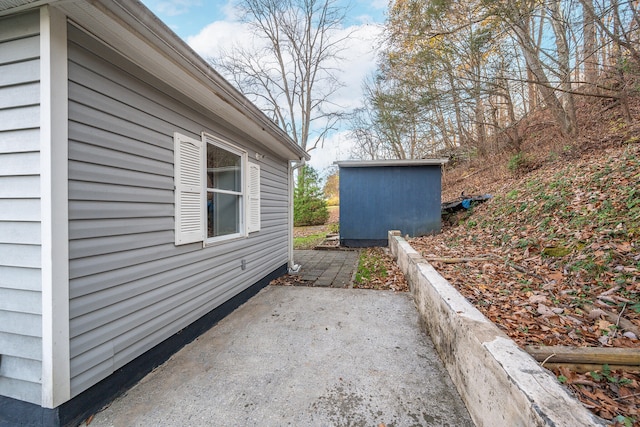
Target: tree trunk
{"type": "Point", "coordinates": [537, 69]}
{"type": "Point", "coordinates": [590, 57]}
{"type": "Point", "coordinates": [456, 105]}
{"type": "Point", "coordinates": [481, 131]}
{"type": "Point", "coordinates": [620, 39]}
{"type": "Point", "coordinates": [564, 66]}
{"type": "Point", "coordinates": [531, 86]}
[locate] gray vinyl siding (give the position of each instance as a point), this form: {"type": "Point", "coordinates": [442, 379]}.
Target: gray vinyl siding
{"type": "Point", "coordinates": [20, 275]}
{"type": "Point", "coordinates": [130, 286]}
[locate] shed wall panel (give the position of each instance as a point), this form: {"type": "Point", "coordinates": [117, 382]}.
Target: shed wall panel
{"type": "Point", "coordinates": [405, 198]}
{"type": "Point", "coordinates": [131, 287]}
{"type": "Point", "coordinates": [20, 281]}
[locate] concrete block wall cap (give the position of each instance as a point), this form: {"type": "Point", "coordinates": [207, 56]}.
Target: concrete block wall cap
{"type": "Point", "coordinates": [417, 257]}
{"type": "Point", "coordinates": [540, 387]}
{"type": "Point", "coordinates": [457, 303]}
{"type": "Point", "coordinates": [530, 393]}
{"type": "Point", "coordinates": [407, 247]}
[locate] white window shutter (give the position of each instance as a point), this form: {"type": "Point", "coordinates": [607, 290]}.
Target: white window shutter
{"type": "Point", "coordinates": [253, 198]}
{"type": "Point", "coordinates": [189, 189]}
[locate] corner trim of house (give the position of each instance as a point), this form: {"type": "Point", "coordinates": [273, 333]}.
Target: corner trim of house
{"type": "Point", "coordinates": [76, 410]}
{"type": "Point", "coordinates": [56, 381]}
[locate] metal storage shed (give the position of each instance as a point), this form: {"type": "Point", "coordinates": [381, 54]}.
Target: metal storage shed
{"type": "Point", "coordinates": [382, 195]}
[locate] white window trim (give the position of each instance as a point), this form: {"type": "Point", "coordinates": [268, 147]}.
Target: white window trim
{"type": "Point", "coordinates": [212, 139]}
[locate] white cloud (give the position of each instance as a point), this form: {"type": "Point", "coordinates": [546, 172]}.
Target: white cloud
{"type": "Point", "coordinates": [358, 61]}
{"type": "Point", "coordinates": [219, 36]}
{"type": "Point", "coordinates": [230, 11]}
{"type": "Point", "coordinates": [336, 147]}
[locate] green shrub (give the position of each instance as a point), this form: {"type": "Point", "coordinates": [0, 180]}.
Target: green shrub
{"type": "Point", "coordinates": [518, 162]}
{"type": "Point", "coordinates": [309, 206]}
{"type": "Point", "coordinates": [309, 211]}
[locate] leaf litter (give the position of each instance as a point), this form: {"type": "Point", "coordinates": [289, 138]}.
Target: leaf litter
{"type": "Point", "coordinates": [554, 259]}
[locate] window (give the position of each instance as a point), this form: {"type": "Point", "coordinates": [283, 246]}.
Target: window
{"type": "Point", "coordinates": [217, 191]}
{"type": "Point", "coordinates": [225, 195]}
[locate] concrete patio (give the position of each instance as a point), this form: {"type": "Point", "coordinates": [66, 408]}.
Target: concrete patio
{"type": "Point", "coordinates": [301, 356]}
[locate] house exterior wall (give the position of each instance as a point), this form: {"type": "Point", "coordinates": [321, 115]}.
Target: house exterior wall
{"type": "Point", "coordinates": [131, 287]}
{"type": "Point", "coordinates": [20, 207]}
{"type": "Point", "coordinates": [376, 199]}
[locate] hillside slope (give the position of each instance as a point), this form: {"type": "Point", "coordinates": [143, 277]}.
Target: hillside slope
{"type": "Point", "coordinates": [554, 257]}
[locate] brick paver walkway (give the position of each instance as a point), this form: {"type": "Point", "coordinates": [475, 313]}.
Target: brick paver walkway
{"type": "Point", "coordinates": [335, 269]}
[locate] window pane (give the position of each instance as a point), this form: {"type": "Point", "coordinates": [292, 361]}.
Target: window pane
{"type": "Point", "coordinates": [223, 169]}
{"type": "Point", "coordinates": [223, 214]}
{"type": "Point", "coordinates": [210, 215]}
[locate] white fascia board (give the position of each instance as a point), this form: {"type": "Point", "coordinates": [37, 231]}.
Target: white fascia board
{"type": "Point", "coordinates": [385, 163]}
{"type": "Point", "coordinates": [54, 201]}
{"type": "Point", "coordinates": [136, 33]}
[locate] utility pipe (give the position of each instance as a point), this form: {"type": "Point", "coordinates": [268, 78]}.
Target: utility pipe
{"type": "Point", "coordinates": [293, 165]}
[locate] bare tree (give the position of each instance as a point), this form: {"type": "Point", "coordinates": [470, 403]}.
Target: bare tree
{"type": "Point", "coordinates": [393, 124]}
{"type": "Point", "coordinates": [477, 68]}
{"type": "Point", "coordinates": [589, 53]}
{"type": "Point", "coordinates": [560, 28]}
{"type": "Point", "coordinates": [290, 70]}
{"type": "Point", "coordinates": [626, 18]}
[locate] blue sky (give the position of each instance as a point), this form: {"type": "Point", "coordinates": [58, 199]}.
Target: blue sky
{"type": "Point", "coordinates": [188, 17]}
{"type": "Point", "coordinates": [209, 25]}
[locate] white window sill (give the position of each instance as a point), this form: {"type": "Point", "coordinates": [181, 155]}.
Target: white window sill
{"type": "Point", "coordinates": [215, 241]}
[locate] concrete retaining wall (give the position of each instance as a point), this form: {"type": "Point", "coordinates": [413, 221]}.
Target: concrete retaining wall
{"type": "Point", "coordinates": [499, 382]}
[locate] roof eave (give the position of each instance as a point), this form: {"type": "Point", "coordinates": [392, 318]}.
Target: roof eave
{"type": "Point", "coordinates": [139, 35]}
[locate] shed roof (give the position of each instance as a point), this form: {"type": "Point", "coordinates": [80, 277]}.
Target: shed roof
{"type": "Point", "coordinates": [132, 29]}
{"type": "Point", "coordinates": [396, 163]}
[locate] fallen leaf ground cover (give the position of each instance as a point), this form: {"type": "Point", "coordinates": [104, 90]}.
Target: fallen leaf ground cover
{"type": "Point", "coordinates": [554, 259]}
{"type": "Point", "coordinates": [378, 270]}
